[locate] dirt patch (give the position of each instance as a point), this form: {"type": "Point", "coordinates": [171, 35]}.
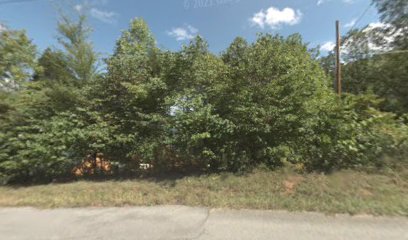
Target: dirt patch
{"type": "Point", "coordinates": [291, 183]}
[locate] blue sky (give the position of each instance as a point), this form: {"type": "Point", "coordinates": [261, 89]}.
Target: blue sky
{"type": "Point", "coordinates": [174, 22]}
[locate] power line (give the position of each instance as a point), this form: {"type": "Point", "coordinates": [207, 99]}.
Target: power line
{"type": "Point", "coordinates": [361, 16]}
{"type": "Point", "coordinates": [392, 52]}
{"type": "Point", "coordinates": [15, 1]}
{"type": "Point", "coordinates": [358, 20]}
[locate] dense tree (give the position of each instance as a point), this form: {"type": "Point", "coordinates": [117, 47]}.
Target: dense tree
{"type": "Point", "coordinates": [235, 53]}
{"type": "Point", "coordinates": [17, 59]}
{"type": "Point", "coordinates": [54, 68]}
{"type": "Point", "coordinates": [375, 57]}
{"type": "Point", "coordinates": [267, 102]}
{"type": "Point", "coordinates": [76, 63]}
{"type": "Point", "coordinates": [395, 13]}
{"type": "Point", "coordinates": [78, 56]}
{"type": "Point", "coordinates": [41, 124]}
{"type": "Point", "coordinates": [279, 86]}
{"type": "Point", "coordinates": [132, 93]}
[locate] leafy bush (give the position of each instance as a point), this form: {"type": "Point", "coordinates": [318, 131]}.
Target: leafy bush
{"type": "Point", "coordinates": [266, 103]}
{"type": "Point", "coordinates": [41, 150]}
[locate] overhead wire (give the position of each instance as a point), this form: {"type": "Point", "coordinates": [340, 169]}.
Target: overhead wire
{"type": "Point", "coordinates": [361, 16]}
{"type": "Point", "coordinates": [15, 1]}
{"type": "Point", "coordinates": [357, 21]}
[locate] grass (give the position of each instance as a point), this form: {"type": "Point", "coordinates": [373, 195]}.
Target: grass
{"type": "Point", "coordinates": [341, 192]}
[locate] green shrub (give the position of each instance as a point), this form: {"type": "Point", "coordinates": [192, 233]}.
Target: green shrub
{"type": "Point", "coordinates": [41, 150]}
{"type": "Point", "coordinates": [265, 103]}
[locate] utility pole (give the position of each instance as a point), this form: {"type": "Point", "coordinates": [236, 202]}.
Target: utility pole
{"type": "Point", "coordinates": [338, 64]}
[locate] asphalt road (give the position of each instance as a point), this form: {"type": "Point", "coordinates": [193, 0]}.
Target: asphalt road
{"type": "Point", "coordinates": [178, 222]}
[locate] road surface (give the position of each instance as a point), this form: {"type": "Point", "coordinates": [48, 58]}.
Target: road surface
{"type": "Point", "coordinates": [178, 222]}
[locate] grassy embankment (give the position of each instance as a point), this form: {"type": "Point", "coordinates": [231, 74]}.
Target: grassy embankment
{"type": "Point", "coordinates": [341, 192]}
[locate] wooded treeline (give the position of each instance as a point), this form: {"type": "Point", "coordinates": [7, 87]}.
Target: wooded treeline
{"type": "Point", "coordinates": [270, 102]}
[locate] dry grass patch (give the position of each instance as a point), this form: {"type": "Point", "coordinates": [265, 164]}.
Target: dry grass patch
{"type": "Point", "coordinates": [342, 192]}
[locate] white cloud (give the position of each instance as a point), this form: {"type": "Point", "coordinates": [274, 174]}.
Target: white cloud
{"type": "Point", "coordinates": [376, 39]}
{"type": "Point", "coordinates": [91, 7]}
{"type": "Point", "coordinates": [376, 25]}
{"type": "Point", "coordinates": [103, 16]}
{"type": "Point", "coordinates": [375, 30]}
{"type": "Point", "coordinates": [79, 7]}
{"type": "Point", "coordinates": [274, 18]}
{"type": "Point", "coordinates": [192, 29]}
{"type": "Point", "coordinates": [2, 28]}
{"type": "Point", "coordinates": [351, 23]}
{"type": "Point", "coordinates": [327, 46]}
{"type": "Point", "coordinates": [183, 33]}
{"type": "Point", "coordinates": [320, 2]}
